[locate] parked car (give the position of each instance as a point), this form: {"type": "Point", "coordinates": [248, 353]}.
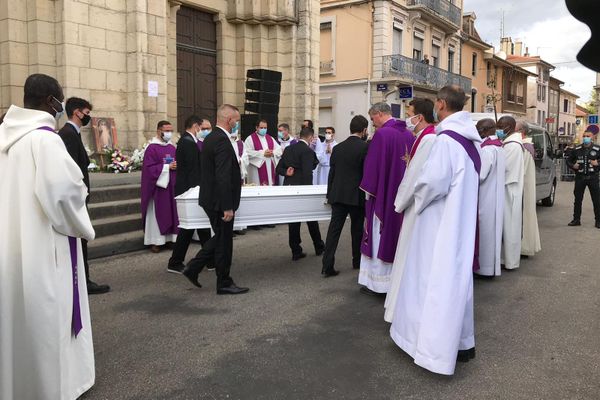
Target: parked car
{"type": "Point", "coordinates": [545, 160]}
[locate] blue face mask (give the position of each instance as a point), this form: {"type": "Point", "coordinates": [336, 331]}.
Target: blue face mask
{"type": "Point", "coordinates": [262, 131]}
{"type": "Point", "coordinates": [204, 133]}
{"type": "Point", "coordinates": [280, 134]}
{"type": "Point", "coordinates": [235, 128]}
{"type": "Point", "coordinates": [587, 140]}
{"type": "Point", "coordinates": [435, 115]}
{"type": "Point", "coordinates": [500, 133]}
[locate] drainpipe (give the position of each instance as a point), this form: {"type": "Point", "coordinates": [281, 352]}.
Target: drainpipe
{"type": "Point", "coordinates": [370, 65]}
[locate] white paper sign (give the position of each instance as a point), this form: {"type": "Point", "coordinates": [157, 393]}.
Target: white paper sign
{"type": "Point", "coordinates": [152, 89]}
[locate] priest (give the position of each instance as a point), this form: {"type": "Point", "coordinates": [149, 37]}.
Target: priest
{"type": "Point", "coordinates": [263, 153]}
{"type": "Point", "coordinates": [491, 199]}
{"type": "Point", "coordinates": [513, 191]}
{"type": "Point", "coordinates": [419, 121]}
{"type": "Point", "coordinates": [46, 349]}
{"type": "Point", "coordinates": [159, 209]}
{"type": "Point", "coordinates": [383, 172]}
{"type": "Point", "coordinates": [433, 318]}
{"type": "Point", "coordinates": [530, 242]}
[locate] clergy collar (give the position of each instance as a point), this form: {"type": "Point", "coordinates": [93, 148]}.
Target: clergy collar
{"type": "Point", "coordinates": [158, 141]}
{"type": "Point", "coordinates": [77, 128]}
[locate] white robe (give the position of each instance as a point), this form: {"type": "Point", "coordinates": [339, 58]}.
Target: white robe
{"type": "Point", "coordinates": [405, 201]}
{"type": "Point", "coordinates": [374, 273]}
{"type": "Point", "coordinates": [491, 209]}
{"type": "Point", "coordinates": [513, 201]}
{"type": "Point", "coordinates": [42, 202]}
{"type": "Point", "coordinates": [433, 317]}
{"type": "Point", "coordinates": [322, 170]}
{"type": "Point", "coordinates": [243, 161]}
{"type": "Point", "coordinates": [530, 243]}
{"type": "Point", "coordinates": [257, 159]}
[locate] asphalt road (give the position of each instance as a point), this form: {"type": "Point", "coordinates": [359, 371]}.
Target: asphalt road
{"type": "Point", "coordinates": [297, 335]}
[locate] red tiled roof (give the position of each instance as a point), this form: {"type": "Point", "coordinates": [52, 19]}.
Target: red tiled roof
{"type": "Point", "coordinates": [580, 113]}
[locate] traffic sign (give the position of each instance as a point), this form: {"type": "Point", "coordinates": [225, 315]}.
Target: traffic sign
{"type": "Point", "coordinates": [578, 122]}
{"type": "Point", "coordinates": [593, 119]}
{"type": "Point", "coordinates": [550, 120]}
{"type": "Point", "coordinates": [405, 92]}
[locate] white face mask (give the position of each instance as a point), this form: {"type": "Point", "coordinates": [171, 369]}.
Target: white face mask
{"type": "Point", "coordinates": [409, 124]}
{"type": "Point", "coordinates": [328, 136]}
{"type": "Point", "coordinates": [167, 136]}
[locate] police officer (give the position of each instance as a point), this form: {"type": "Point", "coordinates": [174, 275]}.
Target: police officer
{"type": "Point", "coordinates": [585, 161]}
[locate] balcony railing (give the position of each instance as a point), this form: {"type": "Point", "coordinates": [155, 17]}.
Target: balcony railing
{"type": "Point", "coordinates": [443, 8]}
{"type": "Point", "coordinates": [327, 67]}
{"type": "Point", "coordinates": [421, 74]}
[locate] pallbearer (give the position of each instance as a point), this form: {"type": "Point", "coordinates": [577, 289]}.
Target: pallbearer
{"type": "Point", "coordinates": [159, 209]}
{"type": "Point", "coordinates": [383, 171]}
{"type": "Point", "coordinates": [491, 199]}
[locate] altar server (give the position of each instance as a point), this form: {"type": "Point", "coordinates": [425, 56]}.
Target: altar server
{"type": "Point", "coordinates": [513, 191]}
{"type": "Point", "coordinates": [324, 151]}
{"type": "Point", "coordinates": [383, 172]}
{"type": "Point", "coordinates": [491, 199]}
{"type": "Point", "coordinates": [530, 242]}
{"type": "Point", "coordinates": [46, 349]}
{"type": "Point", "coordinates": [263, 153]}
{"type": "Point", "coordinates": [159, 209]}
{"type": "Point", "coordinates": [433, 318]}
{"type": "Point", "coordinates": [419, 121]}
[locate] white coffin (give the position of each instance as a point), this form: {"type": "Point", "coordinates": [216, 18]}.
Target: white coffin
{"type": "Point", "coordinates": [261, 205]}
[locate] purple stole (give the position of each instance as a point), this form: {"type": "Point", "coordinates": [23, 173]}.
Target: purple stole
{"type": "Point", "coordinates": [263, 177]}
{"type": "Point", "coordinates": [529, 147]}
{"type": "Point", "coordinates": [491, 142]}
{"type": "Point", "coordinates": [240, 147]}
{"type": "Point", "coordinates": [471, 150]}
{"type": "Point", "coordinates": [76, 323]}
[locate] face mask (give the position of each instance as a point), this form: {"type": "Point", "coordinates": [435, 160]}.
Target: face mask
{"type": "Point", "coordinates": [262, 131]}
{"type": "Point", "coordinates": [59, 113]}
{"type": "Point", "coordinates": [85, 119]}
{"type": "Point", "coordinates": [328, 136]}
{"type": "Point", "coordinates": [280, 134]}
{"type": "Point", "coordinates": [500, 133]}
{"type": "Point", "coordinates": [167, 136]}
{"type": "Point", "coordinates": [204, 133]}
{"type": "Point", "coordinates": [587, 140]}
{"type": "Point", "coordinates": [435, 115]}
{"type": "Point", "coordinates": [235, 128]}
{"type": "Point", "coordinates": [409, 124]}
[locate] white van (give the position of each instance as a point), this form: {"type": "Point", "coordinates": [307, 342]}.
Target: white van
{"type": "Point", "coordinates": [545, 163]}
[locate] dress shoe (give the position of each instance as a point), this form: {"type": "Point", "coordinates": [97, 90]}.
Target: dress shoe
{"type": "Point", "coordinates": [269, 226]}
{"type": "Point", "coordinates": [366, 290]}
{"type": "Point", "coordinates": [597, 225]}
{"type": "Point", "coordinates": [575, 222]}
{"type": "Point", "coordinates": [255, 228]}
{"type": "Point", "coordinates": [356, 267]}
{"type": "Point", "coordinates": [175, 269]}
{"type": "Point", "coordinates": [210, 267]}
{"type": "Point", "coordinates": [524, 257]}
{"type": "Point", "coordinates": [329, 274]}
{"type": "Point", "coordinates": [319, 251]}
{"type": "Point", "coordinates": [94, 288]}
{"type": "Point", "coordinates": [239, 233]}
{"type": "Point", "coordinates": [191, 276]}
{"type": "Point", "coordinates": [232, 289]}
{"type": "Point", "coordinates": [155, 249]}
{"type": "Point", "coordinates": [465, 355]}
{"type": "Point", "coordinates": [296, 257]}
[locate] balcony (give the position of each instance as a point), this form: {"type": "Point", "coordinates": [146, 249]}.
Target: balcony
{"type": "Point", "coordinates": [442, 12]}
{"type": "Point", "coordinates": [423, 75]}
{"type": "Point", "coordinates": [327, 67]}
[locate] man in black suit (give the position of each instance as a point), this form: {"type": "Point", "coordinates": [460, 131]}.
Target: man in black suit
{"type": "Point", "coordinates": [188, 156]}
{"type": "Point", "coordinates": [220, 191]}
{"type": "Point", "coordinates": [78, 112]}
{"type": "Point", "coordinates": [344, 195]}
{"type": "Point", "coordinates": [296, 165]}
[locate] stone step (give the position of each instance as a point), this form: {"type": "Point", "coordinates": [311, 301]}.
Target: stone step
{"type": "Point", "coordinates": [117, 225]}
{"type": "Point", "coordinates": [114, 193]}
{"type": "Point", "coordinates": [114, 208]}
{"type": "Point", "coordinates": [101, 179]}
{"type": "Point", "coordinates": [116, 244]}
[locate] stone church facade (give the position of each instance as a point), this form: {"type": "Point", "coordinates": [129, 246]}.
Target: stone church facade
{"type": "Point", "coordinates": [196, 51]}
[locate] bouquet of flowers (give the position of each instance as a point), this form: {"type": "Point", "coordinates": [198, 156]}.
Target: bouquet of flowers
{"type": "Point", "coordinates": [137, 158]}
{"type": "Point", "coordinates": [118, 161]}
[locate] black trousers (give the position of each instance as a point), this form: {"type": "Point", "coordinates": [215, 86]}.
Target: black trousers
{"type": "Point", "coordinates": [591, 182]}
{"type": "Point", "coordinates": [84, 243]}
{"type": "Point", "coordinates": [295, 240]}
{"type": "Point", "coordinates": [184, 238]}
{"type": "Point", "coordinates": [339, 212]}
{"type": "Point", "coordinates": [218, 249]}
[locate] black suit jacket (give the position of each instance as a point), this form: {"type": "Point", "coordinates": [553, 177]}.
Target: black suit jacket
{"type": "Point", "coordinates": [221, 180]}
{"type": "Point", "coordinates": [346, 172]}
{"type": "Point", "coordinates": [76, 149]}
{"type": "Point", "coordinates": [303, 159]}
{"type": "Point", "coordinates": [187, 156]}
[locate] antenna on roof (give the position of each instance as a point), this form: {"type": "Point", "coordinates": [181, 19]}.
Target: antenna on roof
{"type": "Point", "coordinates": [502, 24]}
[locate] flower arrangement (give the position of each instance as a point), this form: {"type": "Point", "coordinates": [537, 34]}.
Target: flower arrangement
{"type": "Point", "coordinates": [118, 161]}
{"type": "Point", "coordinates": [137, 158]}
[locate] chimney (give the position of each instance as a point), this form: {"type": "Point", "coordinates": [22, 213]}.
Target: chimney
{"type": "Point", "coordinates": [519, 48]}
{"type": "Point", "coordinates": [526, 52]}
{"type": "Point", "coordinates": [506, 45]}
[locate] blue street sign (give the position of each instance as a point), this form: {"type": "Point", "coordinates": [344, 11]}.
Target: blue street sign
{"type": "Point", "coordinates": [592, 119]}
{"type": "Point", "coordinates": [578, 122]}
{"type": "Point", "coordinates": [382, 87]}
{"type": "Point", "coordinates": [405, 92]}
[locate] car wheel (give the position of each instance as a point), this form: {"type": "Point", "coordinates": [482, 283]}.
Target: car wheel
{"type": "Point", "coordinates": [549, 201]}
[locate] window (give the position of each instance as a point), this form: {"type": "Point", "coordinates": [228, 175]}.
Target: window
{"type": "Point", "coordinates": [566, 106]}
{"type": "Point", "coordinates": [397, 41]}
{"type": "Point", "coordinates": [543, 93]}
{"type": "Point", "coordinates": [417, 48]}
{"type": "Point", "coordinates": [327, 48]}
{"type": "Point", "coordinates": [435, 55]}
{"type": "Point", "coordinates": [539, 117]}
{"type": "Point", "coordinates": [450, 60]}
{"type": "Point", "coordinates": [568, 132]}
{"type": "Point", "coordinates": [511, 89]}
{"type": "Point", "coordinates": [520, 93]}
{"type": "Point", "coordinates": [474, 65]}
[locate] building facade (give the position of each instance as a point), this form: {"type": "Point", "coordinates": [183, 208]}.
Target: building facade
{"type": "Point", "coordinates": [553, 122]}
{"type": "Point", "coordinates": [411, 43]}
{"type": "Point", "coordinates": [568, 117]}
{"type": "Point", "coordinates": [143, 61]}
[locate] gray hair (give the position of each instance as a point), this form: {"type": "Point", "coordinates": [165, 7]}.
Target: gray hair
{"type": "Point", "coordinates": [381, 107]}
{"type": "Point", "coordinates": [522, 126]}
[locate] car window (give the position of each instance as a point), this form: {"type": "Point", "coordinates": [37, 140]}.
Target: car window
{"type": "Point", "coordinates": [538, 144]}
{"type": "Point", "coordinates": [549, 147]}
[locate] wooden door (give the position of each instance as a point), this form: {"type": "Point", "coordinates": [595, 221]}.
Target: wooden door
{"type": "Point", "coordinates": [196, 65]}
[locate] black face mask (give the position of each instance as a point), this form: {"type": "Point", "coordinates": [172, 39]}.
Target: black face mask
{"type": "Point", "coordinates": [85, 120]}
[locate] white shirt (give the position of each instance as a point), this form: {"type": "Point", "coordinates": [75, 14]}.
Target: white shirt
{"type": "Point", "coordinates": [77, 128]}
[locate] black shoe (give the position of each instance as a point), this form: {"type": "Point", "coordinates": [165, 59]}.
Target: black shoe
{"type": "Point", "coordinates": [319, 251]}
{"type": "Point", "coordinates": [191, 276]}
{"type": "Point", "coordinates": [269, 226]}
{"type": "Point", "coordinates": [232, 289]}
{"type": "Point", "coordinates": [94, 288]}
{"type": "Point", "coordinates": [597, 224]}
{"type": "Point", "coordinates": [356, 267]}
{"type": "Point", "coordinates": [524, 257]}
{"type": "Point", "coordinates": [296, 257]}
{"type": "Point", "coordinates": [255, 228]}
{"type": "Point", "coordinates": [465, 355]}
{"type": "Point", "coordinates": [210, 267]}
{"type": "Point", "coordinates": [176, 269]}
{"type": "Point", "coordinates": [239, 233]}
{"type": "Point", "coordinates": [329, 274]}
{"type": "Point", "coordinates": [366, 290]}
{"type": "Point", "coordinates": [575, 222]}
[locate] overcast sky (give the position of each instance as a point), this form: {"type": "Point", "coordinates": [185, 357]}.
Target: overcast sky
{"type": "Point", "coordinates": [547, 28]}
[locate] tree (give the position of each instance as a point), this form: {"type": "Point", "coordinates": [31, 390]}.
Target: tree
{"type": "Point", "coordinates": [592, 106]}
